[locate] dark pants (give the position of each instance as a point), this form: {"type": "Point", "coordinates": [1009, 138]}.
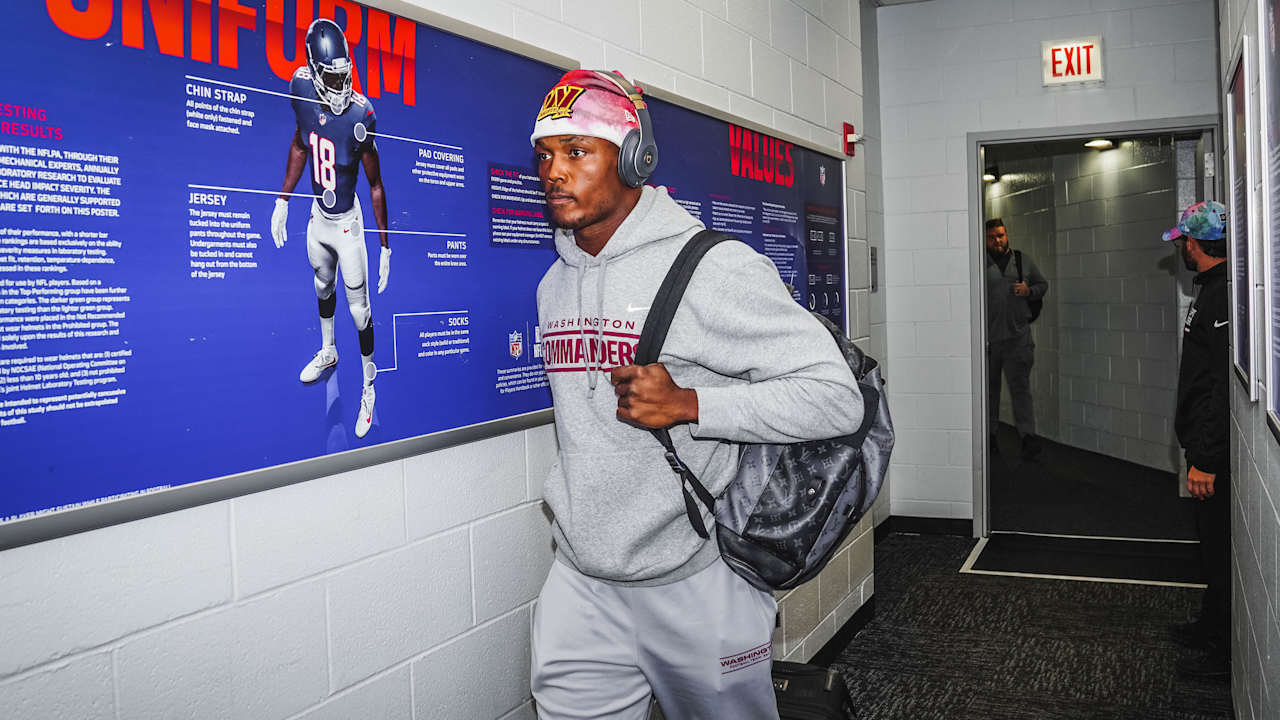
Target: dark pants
{"type": "Point", "coordinates": [1213, 524]}
{"type": "Point", "coordinates": [1012, 358]}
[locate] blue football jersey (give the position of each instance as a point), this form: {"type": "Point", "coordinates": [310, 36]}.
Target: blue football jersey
{"type": "Point", "coordinates": [332, 148]}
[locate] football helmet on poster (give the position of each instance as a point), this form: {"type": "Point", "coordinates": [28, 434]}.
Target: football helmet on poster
{"type": "Point", "coordinates": [330, 62]}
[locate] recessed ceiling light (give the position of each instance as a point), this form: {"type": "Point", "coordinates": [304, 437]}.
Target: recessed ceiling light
{"type": "Point", "coordinates": [1100, 144]}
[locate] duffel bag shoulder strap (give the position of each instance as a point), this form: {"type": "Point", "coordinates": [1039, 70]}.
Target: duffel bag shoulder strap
{"type": "Point", "coordinates": [667, 301]}
{"type": "Point", "coordinates": [654, 334]}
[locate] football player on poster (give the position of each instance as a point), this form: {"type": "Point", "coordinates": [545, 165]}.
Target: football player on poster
{"type": "Point", "coordinates": [335, 127]}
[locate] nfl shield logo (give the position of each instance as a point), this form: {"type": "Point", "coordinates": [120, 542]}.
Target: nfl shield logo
{"type": "Point", "coordinates": [822, 174]}
{"type": "Point", "coordinates": [322, 117]}
{"type": "Point", "coordinates": [516, 342]}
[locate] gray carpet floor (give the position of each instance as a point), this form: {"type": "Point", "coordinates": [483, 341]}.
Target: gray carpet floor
{"type": "Point", "coordinates": [946, 645]}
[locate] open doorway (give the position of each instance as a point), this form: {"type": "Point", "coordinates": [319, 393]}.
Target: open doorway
{"type": "Point", "coordinates": [1083, 444]}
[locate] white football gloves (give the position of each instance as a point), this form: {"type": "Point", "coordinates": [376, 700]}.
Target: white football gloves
{"type": "Point", "coordinates": [278, 218]}
{"type": "Point", "coordinates": [384, 269]}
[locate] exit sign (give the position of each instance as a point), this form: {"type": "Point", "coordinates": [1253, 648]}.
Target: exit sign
{"type": "Point", "coordinates": [1072, 61]}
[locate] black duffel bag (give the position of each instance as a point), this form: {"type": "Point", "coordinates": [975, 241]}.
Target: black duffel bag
{"type": "Point", "coordinates": [809, 692]}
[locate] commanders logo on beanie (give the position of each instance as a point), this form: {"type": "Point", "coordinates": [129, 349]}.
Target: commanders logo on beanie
{"type": "Point", "coordinates": [585, 103]}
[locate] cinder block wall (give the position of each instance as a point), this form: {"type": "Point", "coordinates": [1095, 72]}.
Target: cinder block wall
{"type": "Point", "coordinates": [1255, 486]}
{"type": "Point", "coordinates": [1118, 299]}
{"type": "Point", "coordinates": [406, 590]}
{"type": "Point", "coordinates": [951, 67]}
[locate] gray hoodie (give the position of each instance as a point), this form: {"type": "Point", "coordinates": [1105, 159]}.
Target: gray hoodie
{"type": "Point", "coordinates": [1009, 316]}
{"type": "Point", "coordinates": [765, 370]}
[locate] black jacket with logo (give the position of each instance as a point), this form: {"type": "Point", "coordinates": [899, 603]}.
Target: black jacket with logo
{"type": "Point", "coordinates": [1203, 416]}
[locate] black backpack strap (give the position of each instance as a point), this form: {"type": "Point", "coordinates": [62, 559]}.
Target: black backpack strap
{"type": "Point", "coordinates": [654, 334]}
{"type": "Point", "coordinates": [1017, 259]}
{"type": "Point", "coordinates": [667, 301]}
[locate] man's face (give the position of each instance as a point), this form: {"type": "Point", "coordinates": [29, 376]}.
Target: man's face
{"type": "Point", "coordinates": [997, 240]}
{"type": "Point", "coordinates": [579, 179]}
{"type": "Point", "coordinates": [1185, 252]}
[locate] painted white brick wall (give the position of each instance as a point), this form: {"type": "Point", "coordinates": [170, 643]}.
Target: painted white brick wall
{"type": "Point", "coordinates": [84, 591]}
{"type": "Point", "coordinates": [81, 688]}
{"type": "Point", "coordinates": [388, 696]}
{"type": "Point", "coordinates": [393, 607]}
{"type": "Point", "coordinates": [406, 590]}
{"type": "Point", "coordinates": [349, 516]}
{"type": "Point", "coordinates": [444, 686]}
{"type": "Point", "coordinates": [1106, 406]}
{"type": "Point", "coordinates": [461, 484]}
{"type": "Point", "coordinates": [511, 556]}
{"type": "Point", "coordinates": [265, 657]}
{"type": "Point", "coordinates": [938, 60]}
{"type": "Point", "coordinates": [1255, 497]}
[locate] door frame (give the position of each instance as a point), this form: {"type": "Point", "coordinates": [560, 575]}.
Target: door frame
{"type": "Point", "coordinates": [974, 143]}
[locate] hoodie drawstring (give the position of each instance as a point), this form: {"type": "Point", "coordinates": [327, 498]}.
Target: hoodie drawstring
{"type": "Point", "coordinates": [582, 334]}
{"type": "Point", "coordinates": [591, 377]}
{"type": "Point", "coordinates": [592, 380]}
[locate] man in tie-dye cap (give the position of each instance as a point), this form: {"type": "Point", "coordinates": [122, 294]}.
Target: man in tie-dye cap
{"type": "Point", "coordinates": [1201, 424]}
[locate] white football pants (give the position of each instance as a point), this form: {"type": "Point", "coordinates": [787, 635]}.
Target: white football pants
{"type": "Point", "coordinates": [335, 241]}
{"type": "Point", "coordinates": [702, 646]}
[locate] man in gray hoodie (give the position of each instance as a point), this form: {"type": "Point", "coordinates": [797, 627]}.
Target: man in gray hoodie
{"type": "Point", "coordinates": [1010, 349]}
{"type": "Point", "coordinates": [637, 604]}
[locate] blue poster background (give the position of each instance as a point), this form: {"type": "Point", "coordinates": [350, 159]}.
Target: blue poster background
{"type": "Point", "coordinates": [211, 374]}
{"type": "Point", "coordinates": [212, 383]}
{"type": "Point", "coordinates": [696, 167]}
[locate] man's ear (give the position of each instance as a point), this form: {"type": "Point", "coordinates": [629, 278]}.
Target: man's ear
{"type": "Point", "coordinates": [1193, 246]}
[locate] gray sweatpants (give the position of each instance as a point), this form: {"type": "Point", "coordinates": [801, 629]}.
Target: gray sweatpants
{"type": "Point", "coordinates": [701, 645]}
{"type": "Point", "coordinates": [1014, 357]}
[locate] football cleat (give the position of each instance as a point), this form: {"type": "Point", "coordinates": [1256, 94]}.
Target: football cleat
{"type": "Point", "coordinates": [366, 412]}
{"type": "Point", "coordinates": [325, 358]}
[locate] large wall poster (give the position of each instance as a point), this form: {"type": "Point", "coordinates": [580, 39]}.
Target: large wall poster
{"type": "Point", "coordinates": [157, 345]}
{"type": "Point", "coordinates": [1240, 177]}
{"type": "Point", "coordinates": [1269, 83]}
{"type": "Point", "coordinates": [785, 200]}
{"type": "Point", "coordinates": [152, 332]}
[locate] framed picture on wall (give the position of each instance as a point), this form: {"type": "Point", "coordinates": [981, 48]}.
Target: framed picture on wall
{"type": "Point", "coordinates": [1269, 84]}
{"type": "Point", "coordinates": [1241, 178]}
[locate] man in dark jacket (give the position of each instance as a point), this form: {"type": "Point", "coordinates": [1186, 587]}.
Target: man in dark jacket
{"type": "Point", "coordinates": [1202, 423]}
{"type": "Point", "coordinates": [1013, 283]}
